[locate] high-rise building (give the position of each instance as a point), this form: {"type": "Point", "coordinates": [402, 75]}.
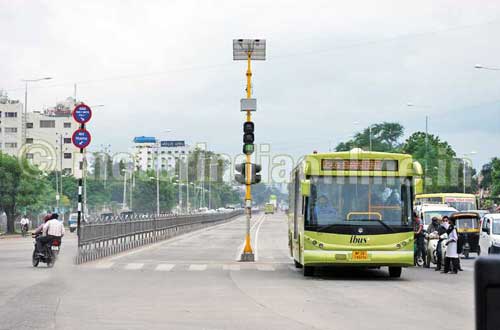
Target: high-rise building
{"type": "Point", "coordinates": [147, 152]}
{"type": "Point", "coordinates": [48, 135]}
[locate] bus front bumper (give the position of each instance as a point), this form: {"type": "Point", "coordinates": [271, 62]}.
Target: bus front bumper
{"type": "Point", "coordinates": [358, 258]}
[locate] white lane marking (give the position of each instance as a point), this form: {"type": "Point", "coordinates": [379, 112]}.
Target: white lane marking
{"type": "Point", "coordinates": [134, 266]}
{"type": "Point", "coordinates": [265, 268]}
{"type": "Point", "coordinates": [105, 265]}
{"type": "Point", "coordinates": [164, 267]}
{"type": "Point", "coordinates": [239, 252]}
{"type": "Point", "coordinates": [196, 267]}
{"type": "Point", "coordinates": [257, 238]}
{"type": "Point", "coordinates": [231, 267]}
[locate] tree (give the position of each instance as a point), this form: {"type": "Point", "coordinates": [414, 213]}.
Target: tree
{"type": "Point", "coordinates": [443, 171]}
{"type": "Point", "coordinates": [495, 176]}
{"type": "Point", "coordinates": [22, 187]}
{"type": "Point", "coordinates": [385, 137]}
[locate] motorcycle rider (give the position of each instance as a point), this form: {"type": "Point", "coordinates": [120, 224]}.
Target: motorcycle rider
{"type": "Point", "coordinates": [434, 226]}
{"type": "Point", "coordinates": [51, 229]}
{"type": "Point", "coordinates": [25, 223]}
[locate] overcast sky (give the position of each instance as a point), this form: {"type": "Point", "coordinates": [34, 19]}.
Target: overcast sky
{"type": "Point", "coordinates": [159, 65]}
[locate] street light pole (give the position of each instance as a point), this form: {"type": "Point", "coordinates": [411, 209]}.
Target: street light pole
{"type": "Point", "coordinates": [157, 176]}
{"type": "Point", "coordinates": [426, 141]}
{"type": "Point", "coordinates": [25, 117]}
{"type": "Point", "coordinates": [464, 164]}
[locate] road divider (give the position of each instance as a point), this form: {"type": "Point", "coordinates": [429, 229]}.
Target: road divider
{"type": "Point", "coordinates": [99, 240]}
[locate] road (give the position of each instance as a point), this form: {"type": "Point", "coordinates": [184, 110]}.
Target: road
{"type": "Point", "coordinates": [193, 281]}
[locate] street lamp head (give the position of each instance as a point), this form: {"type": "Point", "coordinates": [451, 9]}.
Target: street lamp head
{"type": "Point", "coordinates": [47, 78]}
{"type": "Point", "coordinates": [478, 66]}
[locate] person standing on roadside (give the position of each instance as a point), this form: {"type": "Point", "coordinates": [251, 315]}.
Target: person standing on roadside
{"type": "Point", "coordinates": [451, 250]}
{"type": "Point", "coordinates": [419, 236]}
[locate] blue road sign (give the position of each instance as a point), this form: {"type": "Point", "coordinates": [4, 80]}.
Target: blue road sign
{"type": "Point", "coordinates": [82, 113]}
{"type": "Point", "coordinates": [81, 138]}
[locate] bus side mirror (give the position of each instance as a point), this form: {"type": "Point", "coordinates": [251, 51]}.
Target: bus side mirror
{"type": "Point", "coordinates": [305, 187]}
{"type": "Point", "coordinates": [419, 186]}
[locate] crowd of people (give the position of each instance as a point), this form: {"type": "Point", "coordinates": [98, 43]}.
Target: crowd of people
{"type": "Point", "coordinates": [439, 227]}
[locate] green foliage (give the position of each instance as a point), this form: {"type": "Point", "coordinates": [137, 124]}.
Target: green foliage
{"type": "Point", "coordinates": [385, 137]}
{"type": "Point", "coordinates": [495, 176]}
{"type": "Point", "coordinates": [443, 172]}
{"type": "Point", "coordinates": [22, 188]}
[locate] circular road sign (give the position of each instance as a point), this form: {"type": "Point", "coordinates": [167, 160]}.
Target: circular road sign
{"type": "Point", "coordinates": [81, 138]}
{"type": "Point", "coordinates": [82, 113]}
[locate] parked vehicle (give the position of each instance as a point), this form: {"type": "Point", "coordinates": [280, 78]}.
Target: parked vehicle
{"type": "Point", "coordinates": [467, 224]}
{"type": "Point", "coordinates": [428, 211]}
{"type": "Point", "coordinates": [489, 239]}
{"type": "Point", "coordinates": [48, 255]}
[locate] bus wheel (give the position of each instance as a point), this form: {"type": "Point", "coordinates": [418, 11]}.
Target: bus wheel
{"type": "Point", "coordinates": [308, 271]}
{"type": "Point", "coordinates": [395, 272]}
{"type": "Point", "coordinates": [297, 264]}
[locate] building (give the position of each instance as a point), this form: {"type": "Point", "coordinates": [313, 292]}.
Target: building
{"type": "Point", "coordinates": [44, 138]}
{"type": "Point", "coordinates": [146, 150]}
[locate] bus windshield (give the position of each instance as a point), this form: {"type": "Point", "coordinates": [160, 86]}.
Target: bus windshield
{"type": "Point", "coordinates": [461, 204]}
{"type": "Point", "coordinates": [349, 200]}
{"type": "Point", "coordinates": [428, 215]}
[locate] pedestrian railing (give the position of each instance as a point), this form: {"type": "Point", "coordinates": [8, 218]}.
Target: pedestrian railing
{"type": "Point", "coordinates": [102, 239]}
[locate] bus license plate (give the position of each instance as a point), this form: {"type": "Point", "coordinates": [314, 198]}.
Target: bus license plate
{"type": "Point", "coordinates": [359, 255]}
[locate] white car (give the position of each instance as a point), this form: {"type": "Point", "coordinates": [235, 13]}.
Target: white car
{"type": "Point", "coordinates": [489, 239]}
{"type": "Point", "coordinates": [427, 211]}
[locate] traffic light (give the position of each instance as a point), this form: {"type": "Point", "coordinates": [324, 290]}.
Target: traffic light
{"type": "Point", "coordinates": [248, 137]}
{"type": "Point", "coordinates": [241, 176]}
{"type": "Point", "coordinates": [256, 176]}
{"type": "Point", "coordinates": [240, 173]}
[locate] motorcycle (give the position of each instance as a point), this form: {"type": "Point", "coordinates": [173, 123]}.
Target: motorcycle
{"type": "Point", "coordinates": [49, 253]}
{"type": "Point", "coordinates": [432, 240]}
{"type": "Point", "coordinates": [24, 230]}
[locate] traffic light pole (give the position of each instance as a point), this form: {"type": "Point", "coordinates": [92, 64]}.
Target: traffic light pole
{"type": "Point", "coordinates": [247, 251]}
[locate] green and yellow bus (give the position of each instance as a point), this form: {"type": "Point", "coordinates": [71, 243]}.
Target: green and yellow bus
{"type": "Point", "coordinates": [353, 208]}
{"type": "Point", "coordinates": [462, 202]}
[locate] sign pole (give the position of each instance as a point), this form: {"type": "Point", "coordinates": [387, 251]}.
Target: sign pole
{"type": "Point", "coordinates": [81, 139]}
{"type": "Point", "coordinates": [80, 188]}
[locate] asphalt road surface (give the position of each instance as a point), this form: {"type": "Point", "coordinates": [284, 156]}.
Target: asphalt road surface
{"type": "Point", "coordinates": [194, 281]}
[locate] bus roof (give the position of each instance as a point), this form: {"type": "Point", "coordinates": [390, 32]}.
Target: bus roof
{"type": "Point", "coordinates": [358, 162]}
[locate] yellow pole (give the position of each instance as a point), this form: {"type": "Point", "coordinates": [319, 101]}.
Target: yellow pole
{"type": "Point", "coordinates": [248, 193]}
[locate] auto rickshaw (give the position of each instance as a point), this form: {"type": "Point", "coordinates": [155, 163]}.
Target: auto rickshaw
{"type": "Point", "coordinates": [468, 225]}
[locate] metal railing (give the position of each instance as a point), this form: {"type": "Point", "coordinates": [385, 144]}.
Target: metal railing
{"type": "Point", "coordinates": [99, 239]}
